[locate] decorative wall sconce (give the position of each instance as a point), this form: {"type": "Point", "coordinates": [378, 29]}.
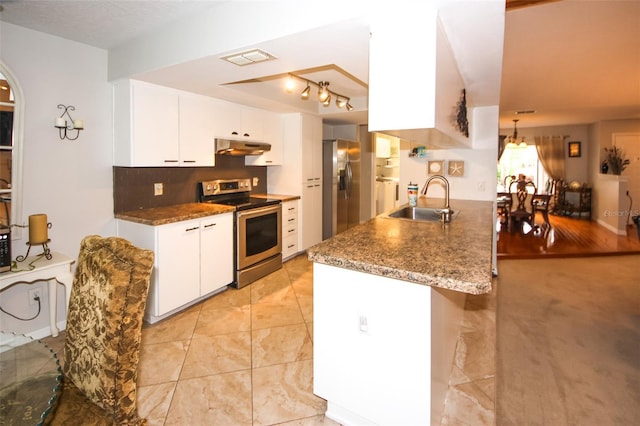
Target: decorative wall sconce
{"type": "Point", "coordinates": [66, 126]}
{"type": "Point", "coordinates": [324, 94]}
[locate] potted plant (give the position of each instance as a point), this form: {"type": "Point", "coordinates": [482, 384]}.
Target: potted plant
{"type": "Point", "coordinates": [616, 160]}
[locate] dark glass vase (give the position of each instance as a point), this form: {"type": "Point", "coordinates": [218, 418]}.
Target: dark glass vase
{"type": "Point", "coordinates": [604, 167]}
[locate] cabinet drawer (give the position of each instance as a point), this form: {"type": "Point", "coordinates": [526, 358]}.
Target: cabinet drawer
{"type": "Point", "coordinates": [289, 245]}
{"type": "Point", "coordinates": [289, 223]}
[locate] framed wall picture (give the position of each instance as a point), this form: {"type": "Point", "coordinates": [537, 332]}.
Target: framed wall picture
{"type": "Point", "coordinates": [435, 167]}
{"type": "Point", "coordinates": [456, 168]}
{"type": "Point", "coordinates": [575, 149]}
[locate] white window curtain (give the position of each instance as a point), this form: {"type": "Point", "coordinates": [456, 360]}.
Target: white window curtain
{"type": "Point", "coordinates": [551, 153]}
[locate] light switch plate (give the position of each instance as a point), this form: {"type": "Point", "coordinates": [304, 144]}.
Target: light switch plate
{"type": "Point", "coordinates": [158, 189]}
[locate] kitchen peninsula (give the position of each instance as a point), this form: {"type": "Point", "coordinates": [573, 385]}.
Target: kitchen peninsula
{"type": "Point", "coordinates": [388, 302]}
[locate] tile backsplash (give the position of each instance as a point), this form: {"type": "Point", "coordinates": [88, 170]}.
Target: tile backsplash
{"type": "Point", "coordinates": [133, 187]}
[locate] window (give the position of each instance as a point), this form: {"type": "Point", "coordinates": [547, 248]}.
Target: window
{"type": "Point", "coordinates": [517, 160]}
{"type": "Point", "coordinates": [10, 143]}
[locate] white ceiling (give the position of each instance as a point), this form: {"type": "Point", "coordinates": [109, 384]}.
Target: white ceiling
{"type": "Point", "coordinates": [573, 61]}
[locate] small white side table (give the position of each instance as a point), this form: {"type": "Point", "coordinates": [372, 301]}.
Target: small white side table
{"type": "Point", "coordinates": [54, 270]}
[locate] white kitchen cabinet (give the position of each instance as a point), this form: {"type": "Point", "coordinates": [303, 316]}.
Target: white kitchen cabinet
{"type": "Point", "coordinates": [216, 252]}
{"type": "Point", "coordinates": [193, 259]}
{"type": "Point", "coordinates": [156, 126]}
{"type": "Point", "coordinates": [145, 125]}
{"type": "Point", "coordinates": [272, 127]}
{"type": "Point", "coordinates": [312, 214]}
{"type": "Point", "coordinates": [301, 174]}
{"type": "Point", "coordinates": [238, 121]}
{"type": "Point", "coordinates": [311, 133]}
{"type": "Point", "coordinates": [197, 130]}
{"type": "Point", "coordinates": [289, 229]}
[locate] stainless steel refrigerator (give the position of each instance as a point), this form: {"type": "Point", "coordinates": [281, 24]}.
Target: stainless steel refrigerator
{"type": "Point", "coordinates": [341, 189]}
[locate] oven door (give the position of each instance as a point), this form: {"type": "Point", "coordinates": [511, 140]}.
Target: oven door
{"type": "Point", "coordinates": [259, 236]}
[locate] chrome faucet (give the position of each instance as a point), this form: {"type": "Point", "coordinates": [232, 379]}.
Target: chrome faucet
{"type": "Point", "coordinates": [446, 211]}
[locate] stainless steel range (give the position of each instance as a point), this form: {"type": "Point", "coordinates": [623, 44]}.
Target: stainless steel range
{"type": "Point", "coordinates": [258, 237]}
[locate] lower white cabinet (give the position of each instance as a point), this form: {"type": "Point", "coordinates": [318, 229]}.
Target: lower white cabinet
{"type": "Point", "coordinates": [289, 229]}
{"type": "Point", "coordinates": [193, 259]}
{"type": "Point", "coordinates": [312, 214]}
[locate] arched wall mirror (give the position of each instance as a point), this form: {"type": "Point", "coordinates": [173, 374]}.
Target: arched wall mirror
{"type": "Point", "coordinates": [10, 143]}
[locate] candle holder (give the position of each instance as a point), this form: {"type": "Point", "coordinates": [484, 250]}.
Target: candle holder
{"type": "Point", "coordinates": [45, 248]}
{"type": "Point", "coordinates": [65, 127]}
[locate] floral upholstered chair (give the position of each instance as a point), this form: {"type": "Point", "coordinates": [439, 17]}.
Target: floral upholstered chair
{"type": "Point", "coordinates": [104, 329]}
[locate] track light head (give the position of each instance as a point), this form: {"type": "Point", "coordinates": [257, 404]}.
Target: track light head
{"type": "Point", "coordinates": [305, 93]}
{"type": "Point", "coordinates": [323, 92]}
{"type": "Point", "coordinates": [327, 100]}
{"type": "Point", "coordinates": [349, 107]}
{"type": "Point", "coordinates": [341, 102]}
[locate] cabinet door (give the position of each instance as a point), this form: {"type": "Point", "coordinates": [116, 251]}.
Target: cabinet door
{"type": "Point", "coordinates": [311, 148]}
{"type": "Point", "coordinates": [216, 252]}
{"type": "Point", "coordinates": [226, 118]}
{"type": "Point", "coordinates": [273, 130]}
{"type": "Point", "coordinates": [178, 265]}
{"type": "Point", "coordinates": [251, 124]}
{"type": "Point", "coordinates": [155, 126]}
{"type": "Point", "coordinates": [197, 131]}
{"type": "Point", "coordinates": [311, 214]}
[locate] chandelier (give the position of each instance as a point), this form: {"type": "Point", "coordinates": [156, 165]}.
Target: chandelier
{"type": "Point", "coordinates": [512, 141]}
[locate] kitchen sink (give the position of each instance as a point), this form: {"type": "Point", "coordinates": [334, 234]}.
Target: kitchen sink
{"type": "Point", "coordinates": [420, 214]}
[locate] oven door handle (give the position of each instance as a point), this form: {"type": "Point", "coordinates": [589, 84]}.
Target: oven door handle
{"type": "Point", "coordinates": [259, 211]}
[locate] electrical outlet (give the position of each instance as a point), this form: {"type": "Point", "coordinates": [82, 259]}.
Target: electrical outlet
{"type": "Point", "coordinates": [33, 293]}
{"type": "Point", "coordinates": [482, 186]}
{"type": "Point", "coordinates": [158, 189]}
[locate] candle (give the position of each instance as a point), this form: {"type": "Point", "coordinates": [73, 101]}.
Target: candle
{"type": "Point", "coordinates": [38, 229]}
{"type": "Point", "coordinates": [78, 124]}
{"type": "Point", "coordinates": [60, 122]}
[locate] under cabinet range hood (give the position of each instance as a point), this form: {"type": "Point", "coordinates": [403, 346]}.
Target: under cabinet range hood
{"type": "Point", "coordinates": [239, 148]}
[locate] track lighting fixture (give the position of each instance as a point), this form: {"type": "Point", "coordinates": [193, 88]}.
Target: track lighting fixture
{"type": "Point", "coordinates": [324, 94]}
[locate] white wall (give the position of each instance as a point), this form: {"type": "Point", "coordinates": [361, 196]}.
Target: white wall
{"type": "Point", "coordinates": [69, 181]}
{"type": "Point", "coordinates": [478, 181]}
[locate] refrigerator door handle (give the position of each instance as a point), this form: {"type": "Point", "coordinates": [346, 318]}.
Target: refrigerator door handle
{"type": "Point", "coordinates": [349, 180]}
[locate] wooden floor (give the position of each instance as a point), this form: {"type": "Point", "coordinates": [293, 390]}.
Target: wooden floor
{"type": "Point", "coordinates": [567, 237]}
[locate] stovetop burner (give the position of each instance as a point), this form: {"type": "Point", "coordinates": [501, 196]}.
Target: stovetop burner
{"type": "Point", "coordinates": [232, 192]}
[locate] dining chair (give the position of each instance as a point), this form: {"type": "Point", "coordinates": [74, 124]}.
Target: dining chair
{"type": "Point", "coordinates": [504, 204]}
{"type": "Point", "coordinates": [540, 204]}
{"type": "Point", "coordinates": [523, 211]}
{"type": "Point", "coordinates": [104, 330]}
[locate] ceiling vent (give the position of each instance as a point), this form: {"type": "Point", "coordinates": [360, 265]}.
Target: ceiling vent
{"type": "Point", "coordinates": [249, 57]}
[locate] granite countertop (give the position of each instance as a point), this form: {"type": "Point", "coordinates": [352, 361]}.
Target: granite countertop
{"type": "Point", "coordinates": [176, 213]}
{"type": "Point", "coordinates": [283, 198]}
{"type": "Point", "coordinates": [455, 256]}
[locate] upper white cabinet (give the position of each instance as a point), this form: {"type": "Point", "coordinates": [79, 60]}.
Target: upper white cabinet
{"type": "Point", "coordinates": [429, 108]}
{"type": "Point", "coordinates": [238, 121]}
{"type": "Point", "coordinates": [311, 134]}
{"type": "Point", "coordinates": [158, 126]}
{"type": "Point", "coordinates": [273, 133]}
{"type": "Point", "coordinates": [197, 130]}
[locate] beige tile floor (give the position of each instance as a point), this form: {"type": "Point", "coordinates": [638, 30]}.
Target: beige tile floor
{"type": "Point", "coordinates": [244, 357]}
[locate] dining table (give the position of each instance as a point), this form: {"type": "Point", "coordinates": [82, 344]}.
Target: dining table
{"type": "Point", "coordinates": [30, 380]}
